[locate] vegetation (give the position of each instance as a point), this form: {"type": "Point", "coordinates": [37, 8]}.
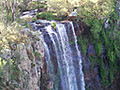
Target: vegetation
{"type": "Point", "coordinates": [98, 48]}
{"type": "Point", "coordinates": [61, 7]}
{"type": "Point", "coordinates": [37, 54]}
{"type": "Point", "coordinates": [53, 25]}
{"type": "Point", "coordinates": [45, 15]}
{"type": "Point", "coordinates": [48, 16]}
{"type": "Point", "coordinates": [101, 16]}
{"type": "Point", "coordinates": [83, 42]}
{"type": "Point", "coordinates": [99, 35]}
{"type": "Point", "coordinates": [103, 73]}
{"type": "Point", "coordinates": [9, 72]}
{"type": "Point", "coordinates": [92, 60]}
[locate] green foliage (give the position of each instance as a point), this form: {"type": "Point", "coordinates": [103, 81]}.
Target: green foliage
{"type": "Point", "coordinates": [96, 29]}
{"type": "Point", "coordinates": [111, 76]}
{"type": "Point", "coordinates": [9, 73]}
{"type": "Point", "coordinates": [45, 15]}
{"type": "Point", "coordinates": [61, 7]}
{"type": "Point", "coordinates": [11, 34]}
{"type": "Point", "coordinates": [92, 60]}
{"type": "Point", "coordinates": [98, 48]}
{"type": "Point", "coordinates": [103, 73]}
{"type": "Point", "coordinates": [82, 42]}
{"type": "Point", "coordinates": [18, 20]}
{"type": "Point", "coordinates": [37, 54]}
{"type": "Point", "coordinates": [116, 49]}
{"type": "Point", "coordinates": [35, 5]}
{"type": "Point", "coordinates": [10, 37]}
{"type": "Point", "coordinates": [32, 65]}
{"type": "Point", "coordinates": [98, 35]}
{"type": "Point", "coordinates": [48, 16]}
{"type": "Point", "coordinates": [9, 17]}
{"type": "Point", "coordinates": [105, 39]}
{"type": "Point", "coordinates": [53, 25]}
{"type": "Point", "coordinates": [94, 8]}
{"type": "Point", "coordinates": [26, 24]}
{"type": "Point", "coordinates": [110, 56]}
{"type": "Point", "coordinates": [112, 65]}
{"type": "Point", "coordinates": [34, 19]}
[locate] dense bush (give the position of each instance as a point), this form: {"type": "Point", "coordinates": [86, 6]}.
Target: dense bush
{"type": "Point", "coordinates": [10, 34]}
{"type": "Point", "coordinates": [82, 41]}
{"type": "Point", "coordinates": [61, 7]}
{"type": "Point", "coordinates": [99, 36]}
{"type": "Point", "coordinates": [98, 48]}
{"type": "Point", "coordinates": [36, 4]}
{"type": "Point", "coordinates": [47, 16]}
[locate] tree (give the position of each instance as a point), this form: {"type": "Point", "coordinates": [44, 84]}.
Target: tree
{"type": "Point", "coordinates": [5, 8]}
{"type": "Point", "coordinates": [60, 7]}
{"type": "Point", "coordinates": [95, 8]}
{"type": "Point", "coordinates": [13, 11]}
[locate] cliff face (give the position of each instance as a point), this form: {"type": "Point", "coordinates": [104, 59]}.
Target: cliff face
{"type": "Point", "coordinates": [91, 68]}
{"type": "Point", "coordinates": [29, 63]}
{"type": "Point", "coordinates": [34, 73]}
{"type": "Point", "coordinates": [32, 62]}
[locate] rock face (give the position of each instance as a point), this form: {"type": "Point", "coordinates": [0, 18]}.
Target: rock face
{"type": "Point", "coordinates": [31, 61]}
{"type": "Point", "coordinates": [35, 69]}
{"type": "Point", "coordinates": [79, 27]}
{"type": "Point", "coordinates": [92, 73]}
{"type": "Point", "coordinates": [63, 58]}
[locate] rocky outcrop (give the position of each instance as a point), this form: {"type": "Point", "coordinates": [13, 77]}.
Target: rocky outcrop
{"type": "Point", "coordinates": [92, 75]}
{"type": "Point", "coordinates": [29, 59]}
{"type": "Point", "coordinates": [92, 68]}
{"type": "Point", "coordinates": [80, 27]}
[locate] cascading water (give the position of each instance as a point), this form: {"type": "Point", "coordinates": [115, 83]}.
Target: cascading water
{"type": "Point", "coordinates": [63, 57]}
{"type": "Point", "coordinates": [47, 53]}
{"type": "Point", "coordinates": [79, 58]}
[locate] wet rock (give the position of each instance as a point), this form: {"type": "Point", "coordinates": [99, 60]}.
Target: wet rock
{"type": "Point", "coordinates": [91, 50]}
{"type": "Point", "coordinates": [29, 14]}
{"type": "Point", "coordinates": [40, 25]}
{"type": "Point", "coordinates": [80, 27]}
{"type": "Point", "coordinates": [26, 16]}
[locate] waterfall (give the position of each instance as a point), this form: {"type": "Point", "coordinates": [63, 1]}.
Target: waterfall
{"type": "Point", "coordinates": [67, 58]}
{"type": "Point", "coordinates": [47, 57]}
{"type": "Point", "coordinates": [50, 32]}
{"type": "Point", "coordinates": [79, 58]}
{"type": "Point", "coordinates": [60, 55]}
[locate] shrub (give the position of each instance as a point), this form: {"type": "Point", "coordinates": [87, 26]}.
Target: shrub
{"type": "Point", "coordinates": [45, 15]}
{"type": "Point", "coordinates": [34, 19]}
{"type": "Point", "coordinates": [11, 34]}
{"type": "Point", "coordinates": [9, 17]}
{"type": "Point", "coordinates": [53, 25]}
{"type": "Point", "coordinates": [82, 42]}
{"type": "Point", "coordinates": [103, 73]}
{"type": "Point", "coordinates": [37, 54]}
{"type": "Point", "coordinates": [98, 48]}
{"type": "Point", "coordinates": [92, 60]}
{"type": "Point", "coordinates": [48, 16]}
